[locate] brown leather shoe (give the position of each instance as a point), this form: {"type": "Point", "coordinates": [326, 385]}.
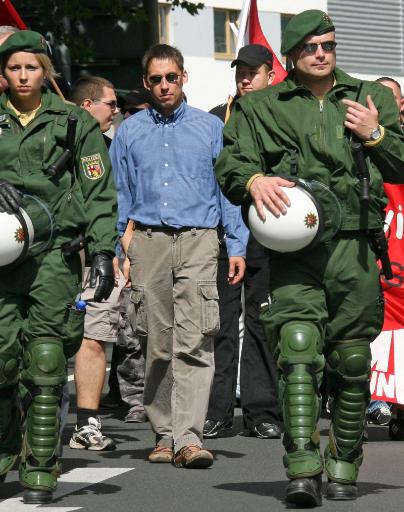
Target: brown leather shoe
{"type": "Point", "coordinates": [162, 454]}
{"type": "Point", "coordinates": [193, 456]}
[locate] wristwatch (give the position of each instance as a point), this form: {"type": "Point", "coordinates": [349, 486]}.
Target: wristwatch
{"type": "Point", "coordinates": [375, 134]}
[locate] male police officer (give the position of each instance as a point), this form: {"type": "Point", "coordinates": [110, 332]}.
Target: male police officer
{"type": "Point", "coordinates": [326, 305]}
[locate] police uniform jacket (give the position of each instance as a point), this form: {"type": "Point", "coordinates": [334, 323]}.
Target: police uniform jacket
{"type": "Point", "coordinates": [266, 125]}
{"type": "Point", "coordinates": [82, 201]}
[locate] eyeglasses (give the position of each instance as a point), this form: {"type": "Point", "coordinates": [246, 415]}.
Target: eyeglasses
{"type": "Point", "coordinates": [311, 48]}
{"type": "Point", "coordinates": [170, 77]}
{"type": "Point", "coordinates": [112, 104]}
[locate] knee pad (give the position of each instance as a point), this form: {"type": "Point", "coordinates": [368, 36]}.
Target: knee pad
{"type": "Point", "coordinates": [8, 369]}
{"type": "Point", "coordinates": [44, 363]}
{"type": "Point", "coordinates": [351, 360]}
{"type": "Point", "coordinates": [301, 343]}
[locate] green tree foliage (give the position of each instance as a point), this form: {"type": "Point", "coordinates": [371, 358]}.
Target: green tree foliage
{"type": "Point", "coordinates": [55, 16]}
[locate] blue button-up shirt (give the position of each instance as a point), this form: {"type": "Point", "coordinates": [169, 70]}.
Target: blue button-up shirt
{"type": "Point", "coordinates": [163, 170]}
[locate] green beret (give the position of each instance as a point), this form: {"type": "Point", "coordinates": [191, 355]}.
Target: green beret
{"type": "Point", "coordinates": [311, 22]}
{"type": "Point", "coordinates": [24, 41]}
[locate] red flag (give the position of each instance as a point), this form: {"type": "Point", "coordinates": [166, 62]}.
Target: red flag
{"type": "Point", "coordinates": [256, 36]}
{"type": "Point", "coordinates": [9, 16]}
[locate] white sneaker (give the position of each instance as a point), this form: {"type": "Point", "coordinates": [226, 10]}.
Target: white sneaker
{"type": "Point", "coordinates": [89, 437]}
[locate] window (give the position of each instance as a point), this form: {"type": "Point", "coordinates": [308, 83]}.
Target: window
{"type": "Point", "coordinates": [370, 35]}
{"type": "Point", "coordinates": [164, 15]}
{"type": "Point", "coordinates": [225, 44]}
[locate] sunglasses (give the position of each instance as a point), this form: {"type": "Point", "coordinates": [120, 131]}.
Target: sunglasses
{"type": "Point", "coordinates": [311, 48]}
{"type": "Point", "coordinates": [112, 104]}
{"type": "Point", "coordinates": [170, 77]}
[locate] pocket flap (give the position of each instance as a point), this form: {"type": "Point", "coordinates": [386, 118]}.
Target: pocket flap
{"type": "Point", "coordinates": [209, 291]}
{"type": "Point", "coordinates": [137, 294]}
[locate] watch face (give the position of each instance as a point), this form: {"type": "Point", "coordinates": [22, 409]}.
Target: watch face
{"type": "Point", "coordinates": [375, 134]}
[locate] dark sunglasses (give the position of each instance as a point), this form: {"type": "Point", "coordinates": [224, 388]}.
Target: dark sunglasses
{"type": "Point", "coordinates": [311, 48]}
{"type": "Point", "coordinates": [170, 77]}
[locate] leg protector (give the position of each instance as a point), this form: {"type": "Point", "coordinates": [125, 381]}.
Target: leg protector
{"type": "Point", "coordinates": [348, 368]}
{"type": "Point", "coordinates": [43, 374]}
{"type": "Point", "coordinates": [10, 430]}
{"type": "Point", "coordinates": [302, 363]}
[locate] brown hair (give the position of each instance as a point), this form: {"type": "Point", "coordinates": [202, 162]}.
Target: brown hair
{"type": "Point", "coordinates": [89, 87]}
{"type": "Point", "coordinates": [162, 52]}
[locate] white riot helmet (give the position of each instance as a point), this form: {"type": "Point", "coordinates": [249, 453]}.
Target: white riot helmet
{"type": "Point", "coordinates": [304, 223]}
{"type": "Point", "coordinates": [29, 231]}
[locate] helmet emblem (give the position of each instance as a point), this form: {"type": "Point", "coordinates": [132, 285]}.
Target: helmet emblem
{"type": "Point", "coordinates": [311, 220]}
{"type": "Point", "coordinates": [19, 235]}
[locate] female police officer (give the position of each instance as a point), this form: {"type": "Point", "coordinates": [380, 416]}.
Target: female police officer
{"type": "Point", "coordinates": [37, 322]}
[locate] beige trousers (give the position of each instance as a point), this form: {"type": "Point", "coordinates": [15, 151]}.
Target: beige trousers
{"type": "Point", "coordinates": [176, 315]}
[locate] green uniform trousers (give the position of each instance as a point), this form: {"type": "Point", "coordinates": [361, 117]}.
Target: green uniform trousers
{"type": "Point", "coordinates": [326, 308]}
{"type": "Point", "coordinates": [38, 332]}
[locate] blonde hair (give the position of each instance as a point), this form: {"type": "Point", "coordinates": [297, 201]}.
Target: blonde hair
{"type": "Point", "coordinates": [42, 59]}
{"type": "Point", "coordinates": [47, 65]}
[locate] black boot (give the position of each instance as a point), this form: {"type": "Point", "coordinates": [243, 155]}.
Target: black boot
{"type": "Point", "coordinates": [37, 496]}
{"type": "Point", "coordinates": [339, 491]}
{"type": "Point", "coordinates": [304, 492]}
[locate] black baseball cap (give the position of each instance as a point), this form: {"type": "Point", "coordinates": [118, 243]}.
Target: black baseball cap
{"type": "Point", "coordinates": [253, 55]}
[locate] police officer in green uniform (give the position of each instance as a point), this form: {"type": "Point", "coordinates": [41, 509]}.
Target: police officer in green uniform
{"type": "Point", "coordinates": [326, 304]}
{"type": "Point", "coordinates": [39, 327]}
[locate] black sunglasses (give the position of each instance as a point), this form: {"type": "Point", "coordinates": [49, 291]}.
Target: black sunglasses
{"type": "Point", "coordinates": [311, 48]}
{"type": "Point", "coordinates": [170, 77]}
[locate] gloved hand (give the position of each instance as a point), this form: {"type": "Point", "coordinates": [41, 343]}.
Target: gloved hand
{"type": "Point", "coordinates": [10, 198]}
{"type": "Point", "coordinates": [102, 269]}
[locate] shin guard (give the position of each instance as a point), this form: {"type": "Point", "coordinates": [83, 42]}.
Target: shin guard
{"type": "Point", "coordinates": [348, 377]}
{"type": "Point", "coordinates": [301, 363]}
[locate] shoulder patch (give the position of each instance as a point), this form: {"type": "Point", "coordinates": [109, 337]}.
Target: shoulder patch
{"type": "Point", "coordinates": [93, 166]}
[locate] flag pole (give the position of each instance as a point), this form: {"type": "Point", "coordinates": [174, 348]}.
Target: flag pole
{"type": "Point", "coordinates": [243, 20]}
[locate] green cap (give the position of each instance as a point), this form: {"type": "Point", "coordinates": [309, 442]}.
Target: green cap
{"type": "Point", "coordinates": [311, 22]}
{"type": "Point", "coordinates": [24, 41]}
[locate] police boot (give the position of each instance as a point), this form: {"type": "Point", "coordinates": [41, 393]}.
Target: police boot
{"type": "Point", "coordinates": [304, 492]}
{"type": "Point", "coordinates": [348, 378]}
{"type": "Point", "coordinates": [43, 374]}
{"type": "Point", "coordinates": [340, 491]}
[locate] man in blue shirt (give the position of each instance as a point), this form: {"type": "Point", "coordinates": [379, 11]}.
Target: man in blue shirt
{"type": "Point", "coordinates": [169, 208]}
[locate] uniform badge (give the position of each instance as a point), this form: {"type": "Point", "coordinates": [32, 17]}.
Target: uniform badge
{"type": "Point", "coordinates": [19, 235]}
{"type": "Point", "coordinates": [327, 19]}
{"type": "Point", "coordinates": [92, 166]}
{"type": "Point", "coordinates": [310, 220]}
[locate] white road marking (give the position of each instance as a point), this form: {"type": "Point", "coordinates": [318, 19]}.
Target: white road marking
{"type": "Point", "coordinates": [69, 483]}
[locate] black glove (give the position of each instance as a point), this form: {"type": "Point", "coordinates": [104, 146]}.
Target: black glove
{"type": "Point", "coordinates": [10, 198]}
{"type": "Point", "coordinates": [102, 269]}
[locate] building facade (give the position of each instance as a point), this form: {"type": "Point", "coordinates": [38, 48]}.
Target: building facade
{"type": "Point", "coordinates": [369, 34]}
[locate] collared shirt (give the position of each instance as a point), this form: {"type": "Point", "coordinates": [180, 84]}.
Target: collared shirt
{"type": "Point", "coordinates": [163, 170]}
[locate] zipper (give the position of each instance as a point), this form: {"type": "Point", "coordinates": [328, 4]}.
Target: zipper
{"type": "Point", "coordinates": [322, 128]}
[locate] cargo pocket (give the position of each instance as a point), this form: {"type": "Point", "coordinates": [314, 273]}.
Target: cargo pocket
{"type": "Point", "coordinates": [73, 330]}
{"type": "Point", "coordinates": [210, 321]}
{"type": "Point", "coordinates": [138, 316]}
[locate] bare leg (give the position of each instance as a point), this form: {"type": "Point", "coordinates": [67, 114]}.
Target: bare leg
{"type": "Point", "coordinates": [89, 373]}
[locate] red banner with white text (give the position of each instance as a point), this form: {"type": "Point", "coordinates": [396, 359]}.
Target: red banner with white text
{"type": "Point", "coordinates": [387, 379]}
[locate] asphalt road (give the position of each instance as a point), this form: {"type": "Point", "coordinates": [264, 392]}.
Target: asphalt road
{"type": "Point", "coordinates": [247, 476]}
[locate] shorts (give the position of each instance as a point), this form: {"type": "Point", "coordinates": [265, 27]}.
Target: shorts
{"type": "Point", "coordinates": [101, 321]}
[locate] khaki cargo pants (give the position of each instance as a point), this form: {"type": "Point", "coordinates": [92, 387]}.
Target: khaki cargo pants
{"type": "Point", "coordinates": [176, 314]}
